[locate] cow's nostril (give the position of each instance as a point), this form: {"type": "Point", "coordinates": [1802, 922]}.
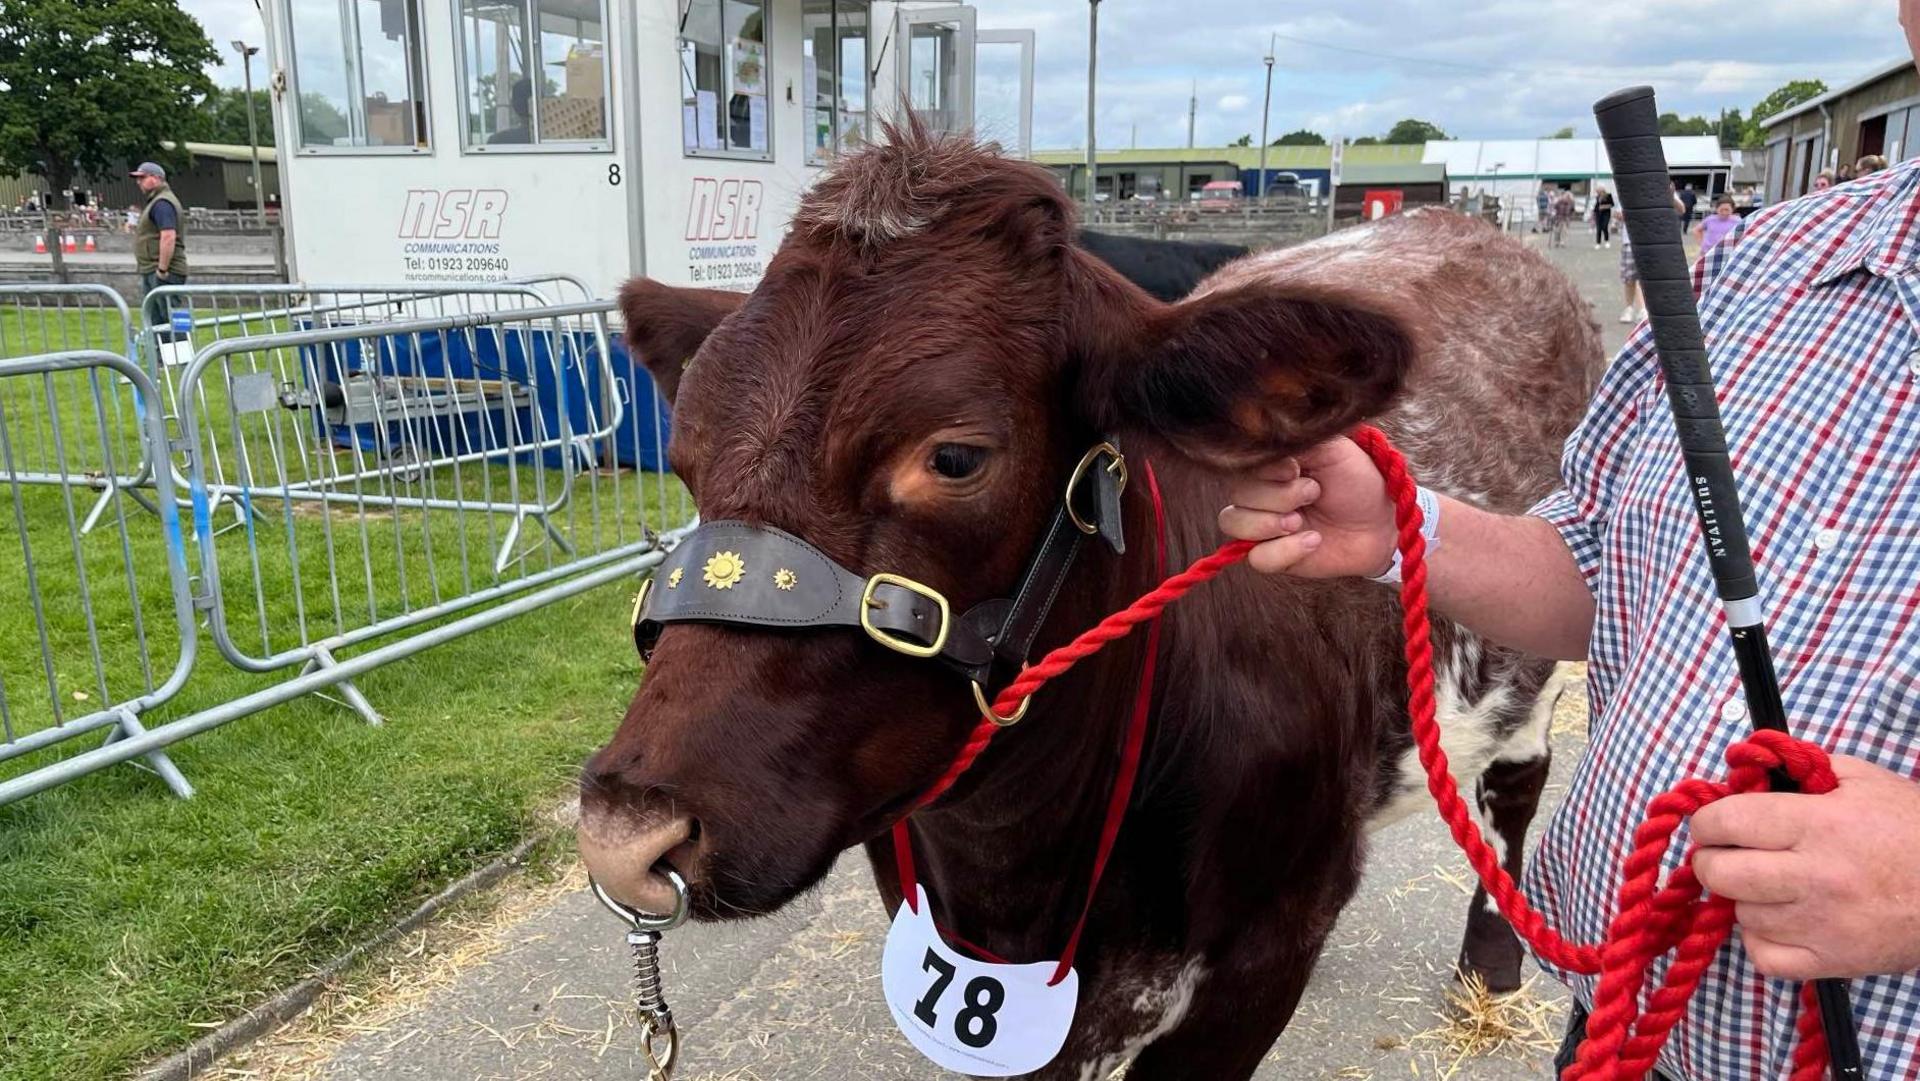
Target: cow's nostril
{"type": "Point", "coordinates": [622, 853]}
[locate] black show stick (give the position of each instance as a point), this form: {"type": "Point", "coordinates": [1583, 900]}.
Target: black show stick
{"type": "Point", "coordinates": [1630, 125]}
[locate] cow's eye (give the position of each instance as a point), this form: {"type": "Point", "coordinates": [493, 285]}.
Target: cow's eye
{"type": "Point", "coordinates": [957, 461]}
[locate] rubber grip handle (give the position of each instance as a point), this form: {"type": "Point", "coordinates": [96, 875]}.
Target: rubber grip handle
{"type": "Point", "coordinates": [1630, 126]}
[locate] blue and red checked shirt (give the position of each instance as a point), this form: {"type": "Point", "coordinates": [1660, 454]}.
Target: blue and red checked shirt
{"type": "Point", "coordinates": [1812, 314]}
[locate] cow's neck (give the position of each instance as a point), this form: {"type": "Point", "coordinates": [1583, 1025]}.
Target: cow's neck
{"type": "Point", "coordinates": [1008, 853]}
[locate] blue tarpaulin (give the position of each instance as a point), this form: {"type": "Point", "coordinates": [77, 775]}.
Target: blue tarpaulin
{"type": "Point", "coordinates": [502, 355]}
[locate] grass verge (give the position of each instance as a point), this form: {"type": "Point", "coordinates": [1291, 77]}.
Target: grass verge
{"type": "Point", "coordinates": [130, 922]}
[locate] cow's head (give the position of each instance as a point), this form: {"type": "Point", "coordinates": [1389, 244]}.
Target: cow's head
{"type": "Point", "coordinates": [925, 360]}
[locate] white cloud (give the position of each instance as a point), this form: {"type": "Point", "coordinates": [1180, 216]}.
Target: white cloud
{"type": "Point", "coordinates": [1233, 103]}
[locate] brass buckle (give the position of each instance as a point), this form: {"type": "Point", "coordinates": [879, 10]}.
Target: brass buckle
{"type": "Point", "coordinates": [1117, 467]}
{"type": "Point", "coordinates": [901, 645]}
{"type": "Point", "coordinates": [639, 606]}
{"type": "Point", "coordinates": [986, 708]}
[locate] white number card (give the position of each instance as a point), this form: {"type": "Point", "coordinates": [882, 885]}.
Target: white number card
{"type": "Point", "coordinates": [970, 1016]}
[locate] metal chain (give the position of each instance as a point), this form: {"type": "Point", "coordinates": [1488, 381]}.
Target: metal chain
{"type": "Point", "coordinates": [650, 1003]}
{"type": "Point", "coordinates": [659, 1039]}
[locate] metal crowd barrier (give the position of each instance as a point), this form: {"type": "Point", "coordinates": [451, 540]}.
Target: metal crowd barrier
{"type": "Point", "coordinates": [75, 614]}
{"type": "Point", "coordinates": [379, 459]}
{"type": "Point", "coordinates": [39, 318]}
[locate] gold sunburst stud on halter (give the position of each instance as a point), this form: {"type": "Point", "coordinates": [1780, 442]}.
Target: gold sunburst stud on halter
{"type": "Point", "coordinates": [723, 570]}
{"type": "Point", "coordinates": [785, 579]}
{"type": "Point", "coordinates": [673, 580]}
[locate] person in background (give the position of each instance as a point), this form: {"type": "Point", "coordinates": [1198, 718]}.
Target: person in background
{"type": "Point", "coordinates": [1843, 174]}
{"type": "Point", "coordinates": [1689, 199]}
{"type": "Point", "coordinates": [1603, 219]}
{"type": "Point", "coordinates": [1716, 226]}
{"type": "Point", "coordinates": [1629, 276]}
{"type": "Point", "coordinates": [1824, 180]}
{"type": "Point", "coordinates": [160, 238]}
{"type": "Point", "coordinates": [133, 217]}
{"type": "Point", "coordinates": [1872, 163]}
{"type": "Point", "coordinates": [1543, 201]}
{"type": "Point", "coordinates": [520, 100]}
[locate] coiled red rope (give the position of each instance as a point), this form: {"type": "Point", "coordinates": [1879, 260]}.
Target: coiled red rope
{"type": "Point", "coordinates": [1624, 1036]}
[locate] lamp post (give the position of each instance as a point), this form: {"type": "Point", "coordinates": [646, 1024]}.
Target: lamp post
{"type": "Point", "coordinates": [1266, 104]}
{"type": "Point", "coordinates": [1093, 52]}
{"type": "Point", "coordinates": [246, 52]}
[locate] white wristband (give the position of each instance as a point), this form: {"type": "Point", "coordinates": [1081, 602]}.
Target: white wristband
{"type": "Point", "coordinates": [1429, 529]}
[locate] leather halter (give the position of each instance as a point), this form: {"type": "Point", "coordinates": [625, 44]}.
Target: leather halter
{"type": "Point", "coordinates": [753, 575]}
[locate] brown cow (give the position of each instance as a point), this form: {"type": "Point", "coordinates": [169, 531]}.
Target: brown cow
{"type": "Point", "coordinates": [926, 358]}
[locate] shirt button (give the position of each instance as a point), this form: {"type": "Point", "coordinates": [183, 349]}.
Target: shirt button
{"type": "Point", "coordinates": [1826, 538]}
{"type": "Point", "coordinates": [1733, 709]}
{"type": "Point", "coordinates": [1913, 362]}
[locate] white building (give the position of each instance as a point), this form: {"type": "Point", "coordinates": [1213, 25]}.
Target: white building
{"type": "Point", "coordinates": [478, 140]}
{"type": "Point", "coordinates": [1515, 169]}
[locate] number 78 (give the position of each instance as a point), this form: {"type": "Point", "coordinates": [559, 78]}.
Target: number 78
{"type": "Point", "coordinates": [974, 1025]}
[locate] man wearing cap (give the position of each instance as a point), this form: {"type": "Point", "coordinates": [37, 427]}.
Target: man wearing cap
{"type": "Point", "coordinates": [160, 239]}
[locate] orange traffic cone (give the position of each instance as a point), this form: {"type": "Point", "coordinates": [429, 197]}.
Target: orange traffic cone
{"type": "Point", "coordinates": [90, 246]}
{"type": "Point", "coordinates": [69, 245]}
{"type": "Point", "coordinates": [40, 245]}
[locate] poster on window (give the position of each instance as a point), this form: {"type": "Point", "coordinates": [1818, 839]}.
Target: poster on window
{"type": "Point", "coordinates": [749, 68]}
{"type": "Point", "coordinates": [757, 123]}
{"type": "Point", "coordinates": [707, 116]}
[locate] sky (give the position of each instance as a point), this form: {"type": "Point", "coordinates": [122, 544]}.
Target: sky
{"type": "Point", "coordinates": [1484, 69]}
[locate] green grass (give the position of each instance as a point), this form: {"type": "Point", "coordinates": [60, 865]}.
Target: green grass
{"type": "Point", "coordinates": [129, 919]}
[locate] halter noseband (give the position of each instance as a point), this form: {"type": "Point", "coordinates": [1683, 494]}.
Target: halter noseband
{"type": "Point", "coordinates": [759, 576]}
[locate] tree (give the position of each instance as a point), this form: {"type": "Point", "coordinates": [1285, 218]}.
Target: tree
{"type": "Point", "coordinates": [223, 117]}
{"type": "Point", "coordinates": [1795, 92]}
{"type": "Point", "coordinates": [1303, 137]}
{"type": "Point", "coordinates": [94, 84]}
{"type": "Point", "coordinates": [1414, 131]}
{"type": "Point", "coordinates": [1563, 133]}
{"type": "Point", "coordinates": [1244, 140]}
{"type": "Point", "coordinates": [1364, 140]}
{"type": "Point", "coordinates": [1675, 124]}
{"type": "Point", "coordinates": [1732, 130]}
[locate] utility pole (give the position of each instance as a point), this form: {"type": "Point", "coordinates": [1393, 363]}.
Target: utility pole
{"type": "Point", "coordinates": [1193, 107]}
{"type": "Point", "coordinates": [1093, 53]}
{"type": "Point", "coordinates": [246, 52]}
{"type": "Point", "coordinates": [1266, 105]}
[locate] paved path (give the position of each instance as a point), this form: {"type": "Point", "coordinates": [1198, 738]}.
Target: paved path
{"type": "Point", "coordinates": [541, 994]}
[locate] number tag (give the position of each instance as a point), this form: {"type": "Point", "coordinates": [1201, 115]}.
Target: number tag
{"type": "Point", "coordinates": [970, 1016]}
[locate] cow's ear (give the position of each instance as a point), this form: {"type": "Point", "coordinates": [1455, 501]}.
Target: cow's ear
{"type": "Point", "coordinates": [1238, 375]}
{"type": "Point", "coordinates": [666, 323]}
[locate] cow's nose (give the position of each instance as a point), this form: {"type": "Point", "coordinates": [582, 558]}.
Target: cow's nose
{"type": "Point", "coordinates": [623, 849]}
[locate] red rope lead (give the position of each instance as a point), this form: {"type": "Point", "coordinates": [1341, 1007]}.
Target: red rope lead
{"type": "Point", "coordinates": [1624, 1037]}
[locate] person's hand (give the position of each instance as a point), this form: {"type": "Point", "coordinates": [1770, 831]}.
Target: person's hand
{"type": "Point", "coordinates": [1823, 885]}
{"type": "Point", "coordinates": [1323, 514]}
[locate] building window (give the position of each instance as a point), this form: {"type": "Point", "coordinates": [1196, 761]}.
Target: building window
{"type": "Point", "coordinates": [724, 79]}
{"type": "Point", "coordinates": [533, 72]}
{"type": "Point", "coordinates": [358, 68]}
{"type": "Point", "coordinates": [834, 54]}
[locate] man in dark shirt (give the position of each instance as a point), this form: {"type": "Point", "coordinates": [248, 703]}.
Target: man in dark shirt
{"type": "Point", "coordinates": [160, 237]}
{"type": "Point", "coordinates": [1688, 200]}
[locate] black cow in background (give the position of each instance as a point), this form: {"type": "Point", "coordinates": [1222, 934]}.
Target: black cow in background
{"type": "Point", "coordinates": [1168, 269]}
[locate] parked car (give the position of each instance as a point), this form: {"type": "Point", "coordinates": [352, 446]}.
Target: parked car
{"type": "Point", "coordinates": [1285, 185]}
{"type": "Point", "coordinates": [1219, 194]}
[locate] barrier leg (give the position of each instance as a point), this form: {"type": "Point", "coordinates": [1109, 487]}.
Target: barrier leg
{"type": "Point", "coordinates": [129, 726]}
{"type": "Point", "coordinates": [350, 695]}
